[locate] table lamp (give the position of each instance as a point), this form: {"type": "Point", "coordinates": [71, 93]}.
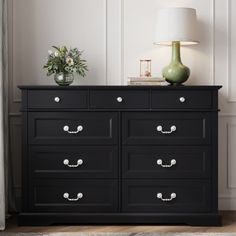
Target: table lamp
{"type": "Point", "coordinates": [176, 26]}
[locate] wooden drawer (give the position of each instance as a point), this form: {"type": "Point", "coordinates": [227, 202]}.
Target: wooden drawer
{"type": "Point", "coordinates": [73, 195]}
{"type": "Point", "coordinates": [166, 128]}
{"type": "Point", "coordinates": [182, 99]}
{"type": "Point", "coordinates": [73, 162]}
{"type": "Point", "coordinates": [73, 128]}
{"type": "Point", "coordinates": [119, 99]}
{"type": "Point", "coordinates": [144, 196]}
{"type": "Point", "coordinates": [57, 99]}
{"type": "Point", "coordinates": [163, 162]}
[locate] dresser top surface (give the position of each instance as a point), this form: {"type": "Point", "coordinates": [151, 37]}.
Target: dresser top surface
{"type": "Point", "coordinates": [124, 87]}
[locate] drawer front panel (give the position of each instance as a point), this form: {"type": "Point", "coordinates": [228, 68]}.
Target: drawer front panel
{"type": "Point", "coordinates": [58, 99]}
{"type": "Point", "coordinates": [168, 128]}
{"type": "Point", "coordinates": [74, 196]}
{"type": "Point", "coordinates": [174, 196]}
{"type": "Point", "coordinates": [119, 99]}
{"type": "Point", "coordinates": [73, 162]}
{"type": "Point", "coordinates": [73, 128]}
{"type": "Point", "coordinates": [163, 162]}
{"type": "Point", "coordinates": [182, 99]}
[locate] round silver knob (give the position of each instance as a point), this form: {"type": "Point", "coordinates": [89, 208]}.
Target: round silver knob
{"type": "Point", "coordinates": [66, 195]}
{"type": "Point", "coordinates": [119, 99]}
{"type": "Point", "coordinates": [80, 128]}
{"type": "Point", "coordinates": [173, 128]}
{"type": "Point", "coordinates": [182, 99]}
{"type": "Point", "coordinates": [80, 162]}
{"type": "Point", "coordinates": [66, 128]}
{"type": "Point", "coordinates": [159, 162]}
{"type": "Point", "coordinates": [173, 162]}
{"type": "Point", "coordinates": [66, 162]}
{"type": "Point", "coordinates": [57, 99]}
{"type": "Point", "coordinates": [80, 195]}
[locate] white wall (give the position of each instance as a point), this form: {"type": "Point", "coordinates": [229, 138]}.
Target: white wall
{"type": "Point", "coordinates": [115, 35]}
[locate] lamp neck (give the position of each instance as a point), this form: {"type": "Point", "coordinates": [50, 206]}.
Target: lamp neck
{"type": "Point", "coordinates": [176, 52]}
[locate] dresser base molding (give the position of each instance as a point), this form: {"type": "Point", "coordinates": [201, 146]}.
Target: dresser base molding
{"type": "Point", "coordinates": [44, 219]}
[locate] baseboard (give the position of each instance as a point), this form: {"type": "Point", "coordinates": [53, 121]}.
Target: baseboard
{"type": "Point", "coordinates": [227, 203]}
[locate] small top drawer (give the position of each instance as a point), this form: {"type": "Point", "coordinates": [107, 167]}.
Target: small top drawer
{"type": "Point", "coordinates": [181, 99]}
{"type": "Point", "coordinates": [57, 99]}
{"type": "Point", "coordinates": [119, 99]}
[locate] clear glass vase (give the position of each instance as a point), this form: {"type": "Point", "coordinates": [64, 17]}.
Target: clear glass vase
{"type": "Point", "coordinates": [64, 79]}
{"type": "Point", "coordinates": [145, 68]}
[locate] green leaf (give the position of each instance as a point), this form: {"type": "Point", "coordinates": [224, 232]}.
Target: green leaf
{"type": "Point", "coordinates": [57, 48]}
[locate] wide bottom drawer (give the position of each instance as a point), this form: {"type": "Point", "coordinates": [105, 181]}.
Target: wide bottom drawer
{"type": "Point", "coordinates": [166, 196]}
{"type": "Point", "coordinates": [74, 195]}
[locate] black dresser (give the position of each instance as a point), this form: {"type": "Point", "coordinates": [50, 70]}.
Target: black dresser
{"type": "Point", "coordinates": [120, 154]}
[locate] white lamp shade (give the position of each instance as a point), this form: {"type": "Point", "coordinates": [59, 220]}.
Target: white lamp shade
{"type": "Point", "coordinates": [176, 24]}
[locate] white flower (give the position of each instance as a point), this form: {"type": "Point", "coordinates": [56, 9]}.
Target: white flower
{"type": "Point", "coordinates": [60, 77]}
{"type": "Point", "coordinates": [69, 61]}
{"type": "Point", "coordinates": [56, 53]}
{"type": "Point", "coordinates": [50, 52]}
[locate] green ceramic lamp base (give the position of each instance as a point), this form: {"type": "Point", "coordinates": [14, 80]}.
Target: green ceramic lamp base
{"type": "Point", "coordinates": [176, 73]}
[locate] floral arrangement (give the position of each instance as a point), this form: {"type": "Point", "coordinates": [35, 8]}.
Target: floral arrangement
{"type": "Point", "coordinates": [66, 61]}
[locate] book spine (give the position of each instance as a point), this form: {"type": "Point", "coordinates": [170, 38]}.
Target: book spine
{"type": "Point", "coordinates": [147, 83]}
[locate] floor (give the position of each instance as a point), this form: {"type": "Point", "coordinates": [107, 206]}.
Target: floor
{"type": "Point", "coordinates": [229, 225]}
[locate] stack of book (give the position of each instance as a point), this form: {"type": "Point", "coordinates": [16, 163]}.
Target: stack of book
{"type": "Point", "coordinates": [146, 81]}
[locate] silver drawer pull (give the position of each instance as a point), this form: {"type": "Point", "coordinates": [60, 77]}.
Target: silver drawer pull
{"type": "Point", "coordinates": [172, 129]}
{"type": "Point", "coordinates": [172, 163]}
{"type": "Point", "coordinates": [66, 162]}
{"type": "Point", "coordinates": [119, 99]}
{"type": "Point", "coordinates": [66, 128]}
{"type": "Point", "coordinates": [172, 196]}
{"type": "Point", "coordinates": [57, 99]}
{"type": "Point", "coordinates": [182, 99]}
{"type": "Point", "coordinates": [67, 196]}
